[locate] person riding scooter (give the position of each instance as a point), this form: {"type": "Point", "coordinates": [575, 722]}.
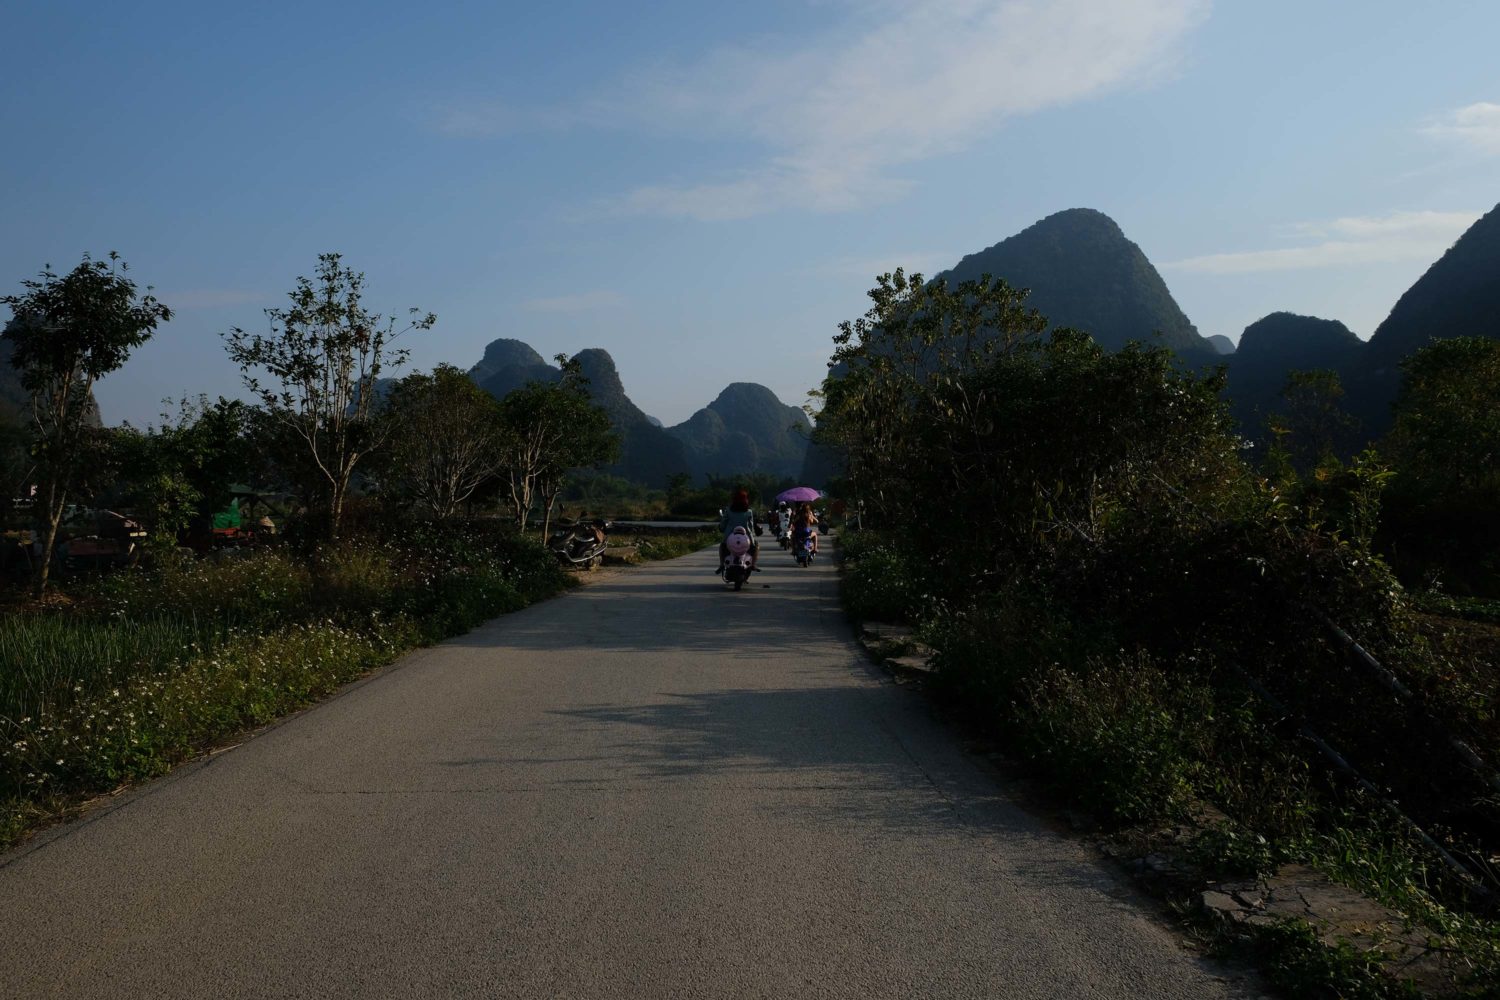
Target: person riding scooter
{"type": "Point", "coordinates": [739, 515]}
{"type": "Point", "coordinates": [782, 525]}
{"type": "Point", "coordinates": [804, 525]}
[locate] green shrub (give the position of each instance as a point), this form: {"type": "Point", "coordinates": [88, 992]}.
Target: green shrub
{"type": "Point", "coordinates": [1296, 960]}
{"type": "Point", "coordinates": [1123, 738]}
{"type": "Point", "coordinates": [882, 583]}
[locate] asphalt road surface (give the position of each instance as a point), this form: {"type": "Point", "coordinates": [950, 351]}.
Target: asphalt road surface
{"type": "Point", "coordinates": [651, 787]}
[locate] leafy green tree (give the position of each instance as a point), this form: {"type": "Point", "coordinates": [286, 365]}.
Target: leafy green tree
{"type": "Point", "coordinates": [957, 416]}
{"type": "Point", "coordinates": [1445, 450]}
{"type": "Point", "coordinates": [184, 468]}
{"type": "Point", "coordinates": [15, 459]}
{"type": "Point", "coordinates": [447, 439]}
{"type": "Point", "coordinates": [552, 428]}
{"type": "Point", "coordinates": [1447, 427]}
{"type": "Point", "coordinates": [1313, 429]}
{"type": "Point", "coordinates": [69, 331]}
{"type": "Point", "coordinates": [894, 365]}
{"type": "Point", "coordinates": [321, 363]}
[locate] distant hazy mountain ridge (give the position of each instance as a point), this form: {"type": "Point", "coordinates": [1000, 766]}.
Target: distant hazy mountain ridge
{"type": "Point", "coordinates": [746, 429]}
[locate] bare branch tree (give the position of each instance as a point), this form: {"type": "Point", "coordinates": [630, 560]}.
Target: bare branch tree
{"type": "Point", "coordinates": [324, 356]}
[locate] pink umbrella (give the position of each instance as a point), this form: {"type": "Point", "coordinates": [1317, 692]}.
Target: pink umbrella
{"type": "Point", "coordinates": [799, 494]}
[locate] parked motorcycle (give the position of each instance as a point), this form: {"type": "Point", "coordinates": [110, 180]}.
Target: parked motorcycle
{"type": "Point", "coordinates": [737, 559]}
{"type": "Point", "coordinates": [581, 544]}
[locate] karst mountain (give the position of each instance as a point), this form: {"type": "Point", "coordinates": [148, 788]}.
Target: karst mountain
{"type": "Point", "coordinates": [745, 429]}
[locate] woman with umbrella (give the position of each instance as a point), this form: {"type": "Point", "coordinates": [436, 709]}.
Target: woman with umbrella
{"type": "Point", "coordinates": [804, 525]}
{"type": "Point", "coordinates": [804, 521]}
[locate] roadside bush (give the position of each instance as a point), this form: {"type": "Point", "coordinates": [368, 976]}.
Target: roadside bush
{"type": "Point", "coordinates": [1124, 737]}
{"type": "Point", "coordinates": [234, 589]}
{"type": "Point", "coordinates": [884, 583]}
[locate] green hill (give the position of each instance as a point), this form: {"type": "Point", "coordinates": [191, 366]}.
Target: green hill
{"type": "Point", "coordinates": [1459, 296]}
{"type": "Point", "coordinates": [1276, 345]}
{"type": "Point", "coordinates": [1084, 273]}
{"type": "Point", "coordinates": [745, 429]}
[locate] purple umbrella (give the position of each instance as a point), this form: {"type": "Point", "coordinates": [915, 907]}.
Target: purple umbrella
{"type": "Point", "coordinates": [799, 494]}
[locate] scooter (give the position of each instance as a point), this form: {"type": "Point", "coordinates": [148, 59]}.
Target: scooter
{"type": "Point", "coordinates": [784, 530]}
{"type": "Point", "coordinates": [804, 550]}
{"type": "Point", "coordinates": [738, 559]}
{"type": "Point", "coordinates": [579, 545]}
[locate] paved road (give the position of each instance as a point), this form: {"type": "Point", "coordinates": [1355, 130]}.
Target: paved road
{"type": "Point", "coordinates": [651, 787]}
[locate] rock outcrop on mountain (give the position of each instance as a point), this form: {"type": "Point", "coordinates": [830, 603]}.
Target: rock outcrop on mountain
{"type": "Point", "coordinates": [1458, 296]}
{"type": "Point", "coordinates": [1273, 347]}
{"type": "Point", "coordinates": [745, 429]}
{"type": "Point", "coordinates": [509, 364]}
{"type": "Point", "coordinates": [1084, 273]}
{"type": "Point", "coordinates": [648, 454]}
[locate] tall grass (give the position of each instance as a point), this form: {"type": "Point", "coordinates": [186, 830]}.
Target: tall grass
{"type": "Point", "coordinates": [676, 543]}
{"type": "Point", "coordinates": [57, 659]}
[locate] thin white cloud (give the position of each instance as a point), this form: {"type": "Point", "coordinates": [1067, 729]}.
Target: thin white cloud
{"type": "Point", "coordinates": [1354, 240]}
{"type": "Point", "coordinates": [893, 83]}
{"type": "Point", "coordinates": [898, 84]}
{"type": "Point", "coordinates": [1475, 127]}
{"type": "Point", "coordinates": [580, 302]}
{"type": "Point", "coordinates": [211, 298]}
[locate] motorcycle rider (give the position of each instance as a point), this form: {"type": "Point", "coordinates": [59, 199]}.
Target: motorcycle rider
{"type": "Point", "coordinates": [783, 523]}
{"type": "Point", "coordinates": [739, 515]}
{"type": "Point", "coordinates": [804, 524]}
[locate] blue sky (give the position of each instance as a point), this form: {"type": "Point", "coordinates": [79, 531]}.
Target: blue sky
{"type": "Point", "coordinates": [705, 190]}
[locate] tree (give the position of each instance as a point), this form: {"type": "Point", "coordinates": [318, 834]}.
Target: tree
{"type": "Point", "coordinates": [891, 365]}
{"type": "Point", "coordinates": [1447, 427]}
{"type": "Point", "coordinates": [69, 331]}
{"type": "Point", "coordinates": [1314, 429]}
{"type": "Point", "coordinates": [447, 439]}
{"type": "Point", "coordinates": [552, 428]}
{"type": "Point", "coordinates": [1014, 452]}
{"type": "Point", "coordinates": [185, 467]}
{"type": "Point", "coordinates": [1440, 522]}
{"type": "Point", "coordinates": [324, 355]}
